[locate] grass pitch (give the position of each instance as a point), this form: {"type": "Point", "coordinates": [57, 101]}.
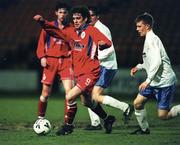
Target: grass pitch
{"type": "Point", "coordinates": [17, 115]}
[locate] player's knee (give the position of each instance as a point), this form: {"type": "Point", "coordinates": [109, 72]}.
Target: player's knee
{"type": "Point", "coordinates": [137, 105]}
{"type": "Point", "coordinates": [45, 92]}
{"type": "Point", "coordinates": [95, 97]}
{"type": "Point", "coordinates": [163, 116]}
{"type": "Point", "coordinates": [67, 91]}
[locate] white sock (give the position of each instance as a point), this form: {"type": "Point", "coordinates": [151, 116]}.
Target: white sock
{"type": "Point", "coordinates": [141, 116]}
{"type": "Point", "coordinates": [108, 100]}
{"type": "Point", "coordinates": [95, 120]}
{"type": "Point", "coordinates": [175, 111]}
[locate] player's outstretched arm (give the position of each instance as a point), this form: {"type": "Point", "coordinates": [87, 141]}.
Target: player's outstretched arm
{"type": "Point", "coordinates": [51, 29]}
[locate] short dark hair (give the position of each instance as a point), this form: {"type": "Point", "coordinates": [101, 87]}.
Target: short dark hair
{"type": "Point", "coordinates": [94, 9]}
{"type": "Point", "coordinates": [146, 18]}
{"type": "Point", "coordinates": [60, 5]}
{"type": "Point", "coordinates": [83, 10]}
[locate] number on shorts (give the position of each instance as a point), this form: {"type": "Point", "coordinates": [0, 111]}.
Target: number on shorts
{"type": "Point", "coordinates": [87, 82]}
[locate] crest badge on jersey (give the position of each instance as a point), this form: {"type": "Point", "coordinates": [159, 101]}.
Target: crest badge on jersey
{"type": "Point", "coordinates": [83, 34]}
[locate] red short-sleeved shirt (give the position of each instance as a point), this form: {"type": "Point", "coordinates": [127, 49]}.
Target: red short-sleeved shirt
{"type": "Point", "coordinates": [86, 65]}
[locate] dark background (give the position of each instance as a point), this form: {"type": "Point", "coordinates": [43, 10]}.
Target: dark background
{"type": "Point", "coordinates": [19, 33]}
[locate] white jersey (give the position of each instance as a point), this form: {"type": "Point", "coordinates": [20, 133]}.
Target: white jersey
{"type": "Point", "coordinates": [107, 57]}
{"type": "Point", "coordinates": [156, 62]}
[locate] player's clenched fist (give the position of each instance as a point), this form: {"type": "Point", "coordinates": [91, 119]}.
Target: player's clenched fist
{"type": "Point", "coordinates": [38, 18]}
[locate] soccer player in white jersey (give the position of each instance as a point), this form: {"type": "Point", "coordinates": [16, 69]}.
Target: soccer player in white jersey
{"type": "Point", "coordinates": [161, 79]}
{"type": "Point", "coordinates": [108, 70]}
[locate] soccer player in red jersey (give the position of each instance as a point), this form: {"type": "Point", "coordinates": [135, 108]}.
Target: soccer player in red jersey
{"type": "Point", "coordinates": [54, 54]}
{"type": "Point", "coordinates": [84, 41]}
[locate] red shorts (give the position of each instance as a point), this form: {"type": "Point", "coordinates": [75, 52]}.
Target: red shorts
{"type": "Point", "coordinates": [57, 66]}
{"type": "Point", "coordinates": [86, 82]}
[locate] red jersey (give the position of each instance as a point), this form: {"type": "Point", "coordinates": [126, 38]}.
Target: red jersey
{"type": "Point", "coordinates": [51, 46]}
{"type": "Point", "coordinates": [84, 50]}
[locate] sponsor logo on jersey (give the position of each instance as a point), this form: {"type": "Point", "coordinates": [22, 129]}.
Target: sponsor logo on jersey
{"type": "Point", "coordinates": [78, 46]}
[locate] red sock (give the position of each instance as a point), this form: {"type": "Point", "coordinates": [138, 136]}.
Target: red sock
{"type": "Point", "coordinates": [42, 108]}
{"type": "Point", "coordinates": [70, 112]}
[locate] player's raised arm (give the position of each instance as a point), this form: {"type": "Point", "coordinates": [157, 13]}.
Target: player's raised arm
{"type": "Point", "coordinates": [51, 29]}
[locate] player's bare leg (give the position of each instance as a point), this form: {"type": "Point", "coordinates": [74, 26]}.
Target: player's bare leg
{"type": "Point", "coordinates": [166, 114]}
{"type": "Point", "coordinates": [141, 115]}
{"type": "Point", "coordinates": [70, 111]}
{"type": "Point", "coordinates": [43, 100]}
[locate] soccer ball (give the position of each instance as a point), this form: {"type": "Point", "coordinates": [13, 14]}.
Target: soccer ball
{"type": "Point", "coordinates": [42, 127]}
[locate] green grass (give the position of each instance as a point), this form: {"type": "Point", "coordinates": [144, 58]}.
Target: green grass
{"type": "Point", "coordinates": [17, 115]}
